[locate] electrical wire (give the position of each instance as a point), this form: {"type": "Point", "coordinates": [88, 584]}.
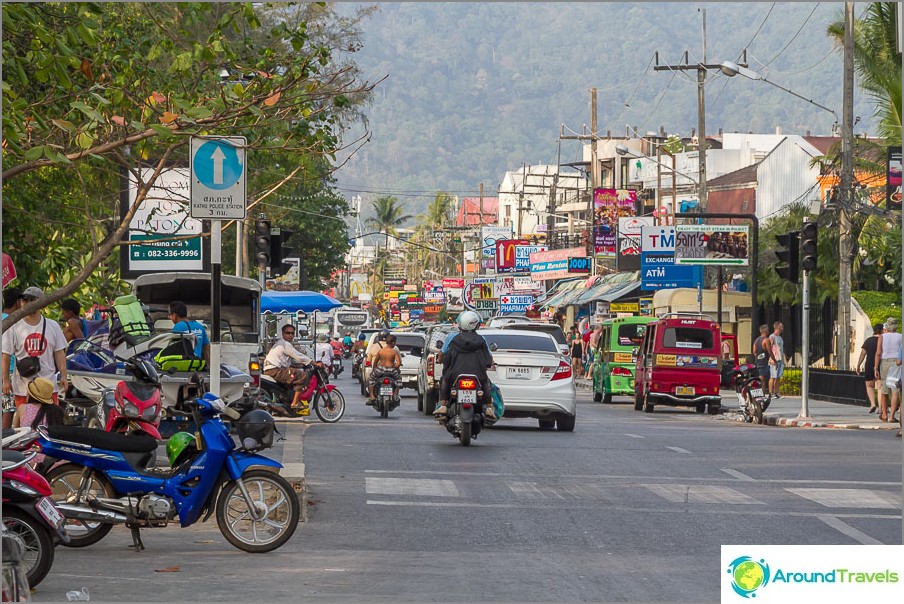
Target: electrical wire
{"type": "Point", "coordinates": [794, 37]}
{"type": "Point", "coordinates": [769, 12]}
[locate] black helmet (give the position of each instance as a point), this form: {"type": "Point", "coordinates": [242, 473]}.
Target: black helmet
{"type": "Point", "coordinates": [255, 430]}
{"type": "Point", "coordinates": [383, 333]}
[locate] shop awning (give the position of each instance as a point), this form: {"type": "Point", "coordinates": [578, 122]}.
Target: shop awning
{"type": "Point", "coordinates": [622, 290]}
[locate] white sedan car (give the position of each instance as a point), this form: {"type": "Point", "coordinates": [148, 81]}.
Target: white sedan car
{"type": "Point", "coordinates": [534, 379]}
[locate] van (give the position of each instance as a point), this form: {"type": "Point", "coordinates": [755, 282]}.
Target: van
{"type": "Point", "coordinates": [679, 364]}
{"type": "Point", "coordinates": [614, 357]}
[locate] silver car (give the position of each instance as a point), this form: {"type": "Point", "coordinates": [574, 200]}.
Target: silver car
{"type": "Point", "coordinates": [534, 378]}
{"type": "Point", "coordinates": [410, 346]}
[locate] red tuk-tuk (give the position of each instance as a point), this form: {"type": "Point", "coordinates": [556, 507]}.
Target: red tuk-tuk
{"type": "Point", "coordinates": [679, 363]}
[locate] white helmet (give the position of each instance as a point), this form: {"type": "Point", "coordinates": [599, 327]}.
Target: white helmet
{"type": "Point", "coordinates": [468, 320]}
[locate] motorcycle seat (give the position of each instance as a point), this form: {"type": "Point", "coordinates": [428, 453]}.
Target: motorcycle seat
{"type": "Point", "coordinates": [12, 457]}
{"type": "Point", "coordinates": [103, 440]}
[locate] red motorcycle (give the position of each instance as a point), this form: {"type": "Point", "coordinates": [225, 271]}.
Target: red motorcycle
{"type": "Point", "coordinates": [132, 407]}
{"type": "Point", "coordinates": [29, 515]}
{"type": "Point", "coordinates": [328, 402]}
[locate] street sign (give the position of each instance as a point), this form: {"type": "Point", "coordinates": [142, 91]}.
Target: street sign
{"type": "Point", "coordinates": [711, 244]}
{"type": "Point", "coordinates": [217, 167]}
{"type": "Point", "coordinates": [515, 303]}
{"type": "Point", "coordinates": [657, 261]}
{"type": "Point", "coordinates": [579, 265]}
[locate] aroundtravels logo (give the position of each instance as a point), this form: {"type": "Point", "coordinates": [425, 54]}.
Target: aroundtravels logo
{"type": "Point", "coordinates": [748, 575]}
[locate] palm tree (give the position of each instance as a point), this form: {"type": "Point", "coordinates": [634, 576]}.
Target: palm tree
{"type": "Point", "coordinates": [436, 218]}
{"type": "Point", "coordinates": [387, 216]}
{"type": "Point", "coordinates": [878, 64]}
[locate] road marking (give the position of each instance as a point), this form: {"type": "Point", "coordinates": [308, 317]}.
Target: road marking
{"type": "Point", "coordinates": [680, 493]}
{"type": "Point", "coordinates": [738, 475]}
{"type": "Point", "coordinates": [621, 508]}
{"type": "Point", "coordinates": [634, 479]}
{"type": "Point", "coordinates": [634, 436]}
{"type": "Point", "coordinates": [679, 450]}
{"type": "Point", "coordinates": [535, 490]}
{"type": "Point", "coordinates": [850, 498]}
{"type": "Point", "coordinates": [411, 486]}
{"type": "Point", "coordinates": [848, 530]}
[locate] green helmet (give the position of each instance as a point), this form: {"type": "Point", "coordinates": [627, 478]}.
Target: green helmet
{"type": "Point", "coordinates": [177, 445]}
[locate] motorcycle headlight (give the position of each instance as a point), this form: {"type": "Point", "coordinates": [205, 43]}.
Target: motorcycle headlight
{"type": "Point", "coordinates": [130, 410]}
{"type": "Point", "coordinates": [149, 414]}
{"type": "Point", "coordinates": [24, 488]}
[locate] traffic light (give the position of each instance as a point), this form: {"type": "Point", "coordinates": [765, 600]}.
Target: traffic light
{"type": "Point", "coordinates": [808, 240]}
{"type": "Point", "coordinates": [788, 256]}
{"type": "Point", "coordinates": [262, 241]}
{"type": "Point", "coordinates": [279, 251]}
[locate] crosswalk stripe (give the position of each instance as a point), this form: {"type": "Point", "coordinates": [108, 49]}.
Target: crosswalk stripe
{"type": "Point", "coordinates": [850, 498]}
{"type": "Point", "coordinates": [679, 493]}
{"type": "Point", "coordinates": [428, 487]}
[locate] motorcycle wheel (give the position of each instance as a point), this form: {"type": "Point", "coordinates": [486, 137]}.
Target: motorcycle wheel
{"type": "Point", "coordinates": [384, 407]}
{"type": "Point", "coordinates": [64, 481]}
{"type": "Point", "coordinates": [748, 409]}
{"type": "Point", "coordinates": [270, 493]}
{"type": "Point", "coordinates": [330, 406]}
{"type": "Point", "coordinates": [35, 540]}
{"type": "Point", "coordinates": [465, 436]}
{"type": "Point", "coordinates": [756, 409]}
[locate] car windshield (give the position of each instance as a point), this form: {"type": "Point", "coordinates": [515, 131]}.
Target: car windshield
{"type": "Point", "coordinates": [521, 341]}
{"type": "Point", "coordinates": [630, 334]}
{"type": "Point", "coordinates": [687, 337]}
{"type": "Point", "coordinates": [549, 328]}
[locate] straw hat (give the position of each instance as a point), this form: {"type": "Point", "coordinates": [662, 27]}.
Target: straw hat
{"type": "Point", "coordinates": [41, 389]}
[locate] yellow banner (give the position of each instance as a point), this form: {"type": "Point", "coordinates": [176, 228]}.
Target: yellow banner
{"type": "Point", "coordinates": [624, 307]}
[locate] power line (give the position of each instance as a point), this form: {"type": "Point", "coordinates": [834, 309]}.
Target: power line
{"type": "Point", "coordinates": [769, 12]}
{"type": "Point", "coordinates": [794, 37]}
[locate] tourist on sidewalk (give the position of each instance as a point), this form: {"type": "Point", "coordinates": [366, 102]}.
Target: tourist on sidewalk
{"type": "Point", "coordinates": [867, 362]}
{"type": "Point", "coordinates": [887, 356]}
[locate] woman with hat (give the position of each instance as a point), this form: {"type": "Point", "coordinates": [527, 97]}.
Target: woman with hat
{"type": "Point", "coordinates": [39, 408]}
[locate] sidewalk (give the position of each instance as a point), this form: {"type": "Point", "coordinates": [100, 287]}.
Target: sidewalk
{"type": "Point", "coordinates": [784, 412]}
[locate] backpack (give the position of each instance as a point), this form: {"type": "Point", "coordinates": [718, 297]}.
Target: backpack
{"type": "Point", "coordinates": [179, 356]}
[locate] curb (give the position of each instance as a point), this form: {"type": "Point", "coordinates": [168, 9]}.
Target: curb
{"type": "Point", "coordinates": [794, 422]}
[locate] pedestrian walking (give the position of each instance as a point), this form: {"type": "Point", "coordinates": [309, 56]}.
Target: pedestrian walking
{"type": "Point", "coordinates": [34, 337]}
{"type": "Point", "coordinates": [887, 350]}
{"type": "Point", "coordinates": [867, 362]}
{"type": "Point", "coordinates": [574, 342]}
{"type": "Point", "coordinates": [777, 364]}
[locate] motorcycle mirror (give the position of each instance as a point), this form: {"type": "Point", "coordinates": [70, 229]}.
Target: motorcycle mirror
{"type": "Point", "coordinates": [494, 347]}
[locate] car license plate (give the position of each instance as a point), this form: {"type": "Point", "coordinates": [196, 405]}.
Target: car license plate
{"type": "Point", "coordinates": [50, 512]}
{"type": "Point", "coordinates": [386, 391]}
{"type": "Point", "coordinates": [518, 373]}
{"type": "Point", "coordinates": [467, 396]}
{"type": "Point", "coordinates": [685, 391]}
{"type": "Point", "coordinates": [756, 392]}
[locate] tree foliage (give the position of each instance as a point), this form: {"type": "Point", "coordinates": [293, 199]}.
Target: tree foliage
{"type": "Point", "coordinates": [89, 89]}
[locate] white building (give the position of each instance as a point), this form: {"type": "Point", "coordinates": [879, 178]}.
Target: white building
{"type": "Point", "coordinates": [524, 198]}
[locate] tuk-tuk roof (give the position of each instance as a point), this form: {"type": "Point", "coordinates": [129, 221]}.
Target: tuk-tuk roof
{"type": "Point", "coordinates": [228, 280]}
{"type": "Point", "coordinates": [634, 319]}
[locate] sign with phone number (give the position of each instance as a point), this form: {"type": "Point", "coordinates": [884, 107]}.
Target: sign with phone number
{"type": "Point", "coordinates": [189, 249]}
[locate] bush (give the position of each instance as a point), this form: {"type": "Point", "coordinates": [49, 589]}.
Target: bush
{"type": "Point", "coordinates": [791, 381]}
{"type": "Point", "coordinates": [878, 306]}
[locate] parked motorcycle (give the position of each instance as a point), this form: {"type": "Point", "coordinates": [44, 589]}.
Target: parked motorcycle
{"type": "Point", "coordinates": [752, 400]}
{"type": "Point", "coordinates": [387, 395]}
{"type": "Point", "coordinates": [109, 482]}
{"type": "Point", "coordinates": [465, 418]}
{"type": "Point", "coordinates": [328, 402]}
{"type": "Point", "coordinates": [133, 406]}
{"type": "Point", "coordinates": [29, 515]}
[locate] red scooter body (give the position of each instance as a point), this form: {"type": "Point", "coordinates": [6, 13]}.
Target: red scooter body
{"type": "Point", "coordinates": [136, 406]}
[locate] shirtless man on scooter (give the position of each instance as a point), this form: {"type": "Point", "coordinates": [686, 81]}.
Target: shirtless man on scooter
{"type": "Point", "coordinates": [386, 363]}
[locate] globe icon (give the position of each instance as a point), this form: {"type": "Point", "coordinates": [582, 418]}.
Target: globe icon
{"type": "Point", "coordinates": [748, 575]}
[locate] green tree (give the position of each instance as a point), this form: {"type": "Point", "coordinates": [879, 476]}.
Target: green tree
{"type": "Point", "coordinates": [110, 87]}
{"type": "Point", "coordinates": [388, 217]}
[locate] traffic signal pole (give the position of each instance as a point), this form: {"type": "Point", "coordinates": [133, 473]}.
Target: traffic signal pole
{"type": "Point", "coordinates": [216, 260]}
{"type": "Point", "coordinates": [805, 344]}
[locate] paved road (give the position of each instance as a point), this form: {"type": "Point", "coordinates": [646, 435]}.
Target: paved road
{"type": "Point", "coordinates": [629, 507]}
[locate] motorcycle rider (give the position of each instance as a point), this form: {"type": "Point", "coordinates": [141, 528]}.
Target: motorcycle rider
{"type": "Point", "coordinates": [386, 363]}
{"type": "Point", "coordinates": [278, 363]}
{"type": "Point", "coordinates": [465, 352]}
{"type": "Point", "coordinates": [347, 341]}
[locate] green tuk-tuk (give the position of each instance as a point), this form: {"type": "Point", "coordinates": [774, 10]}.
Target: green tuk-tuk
{"type": "Point", "coordinates": [613, 367]}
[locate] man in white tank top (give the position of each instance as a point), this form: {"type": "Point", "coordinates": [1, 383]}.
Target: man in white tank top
{"type": "Point", "coordinates": [887, 351]}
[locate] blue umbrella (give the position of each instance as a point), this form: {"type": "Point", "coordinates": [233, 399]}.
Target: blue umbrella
{"type": "Point", "coordinates": [291, 302]}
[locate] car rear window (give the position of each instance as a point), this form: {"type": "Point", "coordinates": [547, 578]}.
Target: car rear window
{"type": "Point", "coordinates": [521, 341]}
{"type": "Point", "coordinates": [630, 334]}
{"type": "Point", "coordinates": [692, 338]}
{"type": "Point", "coordinates": [410, 344]}
{"type": "Point", "coordinates": [554, 330]}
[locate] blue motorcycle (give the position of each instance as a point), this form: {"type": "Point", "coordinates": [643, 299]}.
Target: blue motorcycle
{"type": "Point", "coordinates": [109, 479]}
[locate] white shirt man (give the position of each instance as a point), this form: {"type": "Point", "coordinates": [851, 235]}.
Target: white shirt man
{"type": "Point", "coordinates": [323, 352]}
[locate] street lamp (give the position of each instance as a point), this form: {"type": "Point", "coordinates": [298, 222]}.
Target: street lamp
{"type": "Point", "coordinates": [732, 69]}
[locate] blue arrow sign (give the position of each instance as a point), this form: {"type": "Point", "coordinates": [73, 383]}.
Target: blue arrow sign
{"type": "Point", "coordinates": [216, 165]}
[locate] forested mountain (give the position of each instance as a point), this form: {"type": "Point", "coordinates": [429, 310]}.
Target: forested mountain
{"type": "Point", "coordinates": [475, 89]}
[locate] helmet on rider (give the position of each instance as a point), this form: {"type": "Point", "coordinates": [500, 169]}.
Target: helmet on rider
{"type": "Point", "coordinates": [179, 443]}
{"type": "Point", "coordinates": [361, 337]}
{"type": "Point", "coordinates": [468, 321]}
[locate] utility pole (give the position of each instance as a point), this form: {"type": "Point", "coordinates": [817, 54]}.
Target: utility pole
{"type": "Point", "coordinates": [843, 342]}
{"type": "Point", "coordinates": [480, 270]}
{"type": "Point", "coordinates": [521, 196]}
{"type": "Point", "coordinates": [701, 68]}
